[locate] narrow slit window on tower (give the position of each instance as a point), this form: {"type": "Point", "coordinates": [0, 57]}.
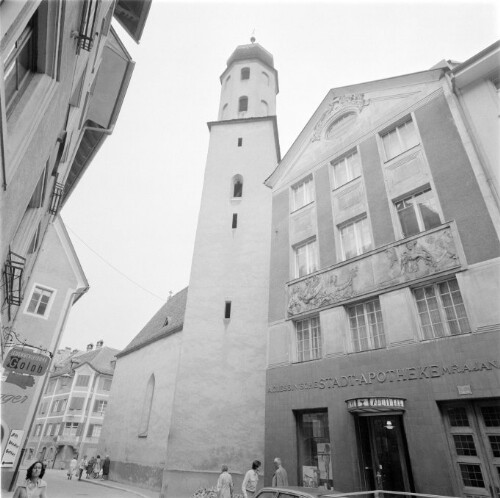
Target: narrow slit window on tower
{"type": "Point", "coordinates": [243, 104]}
{"type": "Point", "coordinates": [235, 220]}
{"type": "Point", "coordinates": [227, 310]}
{"type": "Point", "coordinates": [238, 188]}
{"type": "Point", "coordinates": [240, 142]}
{"type": "Point", "coordinates": [245, 73]}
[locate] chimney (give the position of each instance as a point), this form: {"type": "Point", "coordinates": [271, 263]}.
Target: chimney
{"type": "Point", "coordinates": [99, 344]}
{"type": "Point", "coordinates": [90, 347]}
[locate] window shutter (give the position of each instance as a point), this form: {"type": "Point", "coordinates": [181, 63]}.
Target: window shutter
{"type": "Point", "coordinates": [79, 429]}
{"type": "Point", "coordinates": [61, 429]}
{"type": "Point", "coordinates": [90, 430]}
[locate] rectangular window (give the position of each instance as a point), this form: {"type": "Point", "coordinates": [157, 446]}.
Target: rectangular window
{"type": "Point", "coordinates": [400, 139]}
{"type": "Point", "coordinates": [302, 193]}
{"type": "Point", "coordinates": [43, 407]}
{"type": "Point", "coordinates": [418, 213]}
{"type": "Point", "coordinates": [96, 432]}
{"type": "Point", "coordinates": [235, 221]}
{"type": "Point", "coordinates": [346, 169]}
{"type": "Point", "coordinates": [314, 449]}
{"type": "Point", "coordinates": [48, 428]}
{"type": "Point", "coordinates": [100, 406]}
{"type": "Point", "coordinates": [39, 302]}
{"type": "Point", "coordinates": [70, 428]}
{"type": "Point", "coordinates": [105, 384]}
{"type": "Point", "coordinates": [308, 339]}
{"type": "Point", "coordinates": [227, 309]}
{"type": "Point", "coordinates": [441, 310]}
{"type": "Point", "coordinates": [306, 258]}
{"type": "Point", "coordinates": [50, 386]}
{"type": "Point", "coordinates": [82, 380]}
{"type": "Point", "coordinates": [76, 403]}
{"type": "Point", "coordinates": [355, 238]}
{"type": "Point", "coordinates": [20, 65]}
{"type": "Point", "coordinates": [240, 142]}
{"type": "Point", "coordinates": [367, 326]}
{"type": "Point", "coordinates": [38, 429]}
{"type": "Point", "coordinates": [53, 430]}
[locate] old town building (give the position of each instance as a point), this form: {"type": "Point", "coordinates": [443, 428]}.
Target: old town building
{"type": "Point", "coordinates": [383, 316]}
{"type": "Point", "coordinates": [63, 76]}
{"type": "Point", "coordinates": [72, 409]}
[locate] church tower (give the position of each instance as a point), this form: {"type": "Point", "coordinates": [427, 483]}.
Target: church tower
{"type": "Point", "coordinates": [218, 406]}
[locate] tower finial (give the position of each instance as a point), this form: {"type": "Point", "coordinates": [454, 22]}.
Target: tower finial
{"type": "Point", "coordinates": [252, 38]}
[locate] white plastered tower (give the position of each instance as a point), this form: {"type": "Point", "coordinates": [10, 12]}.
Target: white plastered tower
{"type": "Point", "coordinates": [218, 407]}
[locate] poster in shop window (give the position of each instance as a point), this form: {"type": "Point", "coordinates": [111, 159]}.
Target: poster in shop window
{"type": "Point", "coordinates": [324, 461]}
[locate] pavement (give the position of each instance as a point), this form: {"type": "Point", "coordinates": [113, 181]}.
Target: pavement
{"type": "Point", "coordinates": [59, 486]}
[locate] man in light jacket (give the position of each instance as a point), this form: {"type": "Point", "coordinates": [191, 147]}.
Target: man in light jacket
{"type": "Point", "coordinates": [280, 477]}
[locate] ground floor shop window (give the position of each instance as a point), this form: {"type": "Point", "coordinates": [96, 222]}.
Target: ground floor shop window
{"type": "Point", "coordinates": [473, 430]}
{"type": "Point", "coordinates": [314, 449]}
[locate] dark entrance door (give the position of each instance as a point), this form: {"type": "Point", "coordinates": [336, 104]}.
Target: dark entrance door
{"type": "Point", "coordinates": [384, 455]}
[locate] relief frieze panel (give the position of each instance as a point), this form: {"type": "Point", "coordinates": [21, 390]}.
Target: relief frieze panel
{"type": "Point", "coordinates": [429, 253]}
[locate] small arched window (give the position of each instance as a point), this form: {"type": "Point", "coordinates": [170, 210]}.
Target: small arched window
{"type": "Point", "coordinates": [146, 407]}
{"type": "Point", "coordinates": [245, 73]}
{"type": "Point", "coordinates": [237, 186]}
{"type": "Point", "coordinates": [265, 78]}
{"type": "Point", "coordinates": [227, 80]}
{"type": "Point", "coordinates": [243, 104]}
{"type": "Point", "coordinates": [224, 111]}
{"type": "Point", "coordinates": [264, 108]}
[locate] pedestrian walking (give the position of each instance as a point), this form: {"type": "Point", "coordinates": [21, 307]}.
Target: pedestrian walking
{"type": "Point", "coordinates": [82, 467]}
{"type": "Point", "coordinates": [90, 467]}
{"type": "Point", "coordinates": [105, 468]}
{"type": "Point", "coordinates": [280, 477]}
{"type": "Point", "coordinates": [97, 467]}
{"type": "Point", "coordinates": [33, 486]}
{"type": "Point", "coordinates": [251, 479]}
{"type": "Point", "coordinates": [72, 467]}
{"type": "Point", "coordinates": [225, 484]}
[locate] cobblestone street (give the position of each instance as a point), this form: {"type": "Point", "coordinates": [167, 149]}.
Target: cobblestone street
{"type": "Point", "coordinates": [61, 487]}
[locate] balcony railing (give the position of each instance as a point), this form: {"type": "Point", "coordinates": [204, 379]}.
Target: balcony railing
{"type": "Point", "coordinates": [87, 26]}
{"type": "Point", "coordinates": [57, 195]}
{"type": "Point", "coordinates": [390, 266]}
{"type": "Point", "coordinates": [12, 278]}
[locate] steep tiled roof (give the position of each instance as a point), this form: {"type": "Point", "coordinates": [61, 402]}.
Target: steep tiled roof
{"type": "Point", "coordinates": [156, 328]}
{"type": "Point", "coordinates": [99, 359]}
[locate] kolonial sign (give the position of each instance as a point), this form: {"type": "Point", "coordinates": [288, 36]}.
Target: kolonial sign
{"type": "Point", "coordinates": [22, 361]}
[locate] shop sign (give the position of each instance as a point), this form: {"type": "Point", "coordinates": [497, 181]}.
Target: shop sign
{"type": "Point", "coordinates": [12, 448]}
{"type": "Point", "coordinates": [375, 404]}
{"type": "Point", "coordinates": [23, 361]}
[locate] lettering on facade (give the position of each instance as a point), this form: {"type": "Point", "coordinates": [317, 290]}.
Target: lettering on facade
{"type": "Point", "coordinates": [375, 403]}
{"type": "Point", "coordinates": [406, 374]}
{"type": "Point", "coordinates": [12, 398]}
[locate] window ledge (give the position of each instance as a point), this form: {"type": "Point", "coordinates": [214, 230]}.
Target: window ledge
{"type": "Point", "coordinates": [401, 154]}
{"type": "Point", "coordinates": [350, 182]}
{"type": "Point", "coordinates": [302, 207]}
{"type": "Point", "coordinates": [26, 118]}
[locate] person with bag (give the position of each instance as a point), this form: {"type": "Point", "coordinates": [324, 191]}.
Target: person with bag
{"type": "Point", "coordinates": [225, 484]}
{"type": "Point", "coordinates": [249, 486]}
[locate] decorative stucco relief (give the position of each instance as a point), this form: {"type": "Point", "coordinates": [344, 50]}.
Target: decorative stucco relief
{"type": "Point", "coordinates": [339, 105]}
{"type": "Point", "coordinates": [404, 261]}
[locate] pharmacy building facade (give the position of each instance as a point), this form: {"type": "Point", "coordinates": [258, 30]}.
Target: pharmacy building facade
{"type": "Point", "coordinates": [383, 336]}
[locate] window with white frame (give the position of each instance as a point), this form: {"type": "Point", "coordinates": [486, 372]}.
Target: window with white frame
{"type": "Point", "coordinates": [306, 258]}
{"type": "Point", "coordinates": [96, 432]}
{"type": "Point", "coordinates": [308, 339]}
{"type": "Point", "coordinates": [39, 301]}
{"type": "Point", "coordinates": [418, 212]}
{"type": "Point", "coordinates": [302, 193]}
{"type": "Point", "coordinates": [100, 406]}
{"type": "Point", "coordinates": [82, 380]}
{"type": "Point", "coordinates": [400, 139]}
{"type": "Point", "coordinates": [346, 169]}
{"type": "Point", "coordinates": [355, 238]}
{"type": "Point", "coordinates": [70, 428]}
{"type": "Point", "coordinates": [366, 326]}
{"type": "Point", "coordinates": [441, 310]}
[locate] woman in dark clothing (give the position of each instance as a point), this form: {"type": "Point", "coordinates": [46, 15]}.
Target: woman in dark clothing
{"type": "Point", "coordinates": [105, 467]}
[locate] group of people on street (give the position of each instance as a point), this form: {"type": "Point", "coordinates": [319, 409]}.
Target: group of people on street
{"type": "Point", "coordinates": [249, 485]}
{"type": "Point", "coordinates": [94, 468]}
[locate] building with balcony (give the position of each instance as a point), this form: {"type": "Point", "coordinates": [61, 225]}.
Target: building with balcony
{"type": "Point", "coordinates": [384, 325]}
{"type": "Point", "coordinates": [64, 73]}
{"type": "Point", "coordinates": [72, 409]}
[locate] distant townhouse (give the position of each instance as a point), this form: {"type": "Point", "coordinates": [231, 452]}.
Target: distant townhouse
{"type": "Point", "coordinates": [72, 409]}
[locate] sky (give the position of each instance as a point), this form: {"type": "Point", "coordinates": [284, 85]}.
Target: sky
{"type": "Point", "coordinates": [133, 216]}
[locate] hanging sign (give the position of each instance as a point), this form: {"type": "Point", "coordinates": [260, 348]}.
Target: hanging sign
{"type": "Point", "coordinates": [12, 448]}
{"type": "Point", "coordinates": [24, 361]}
{"type": "Point", "coordinates": [375, 404]}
